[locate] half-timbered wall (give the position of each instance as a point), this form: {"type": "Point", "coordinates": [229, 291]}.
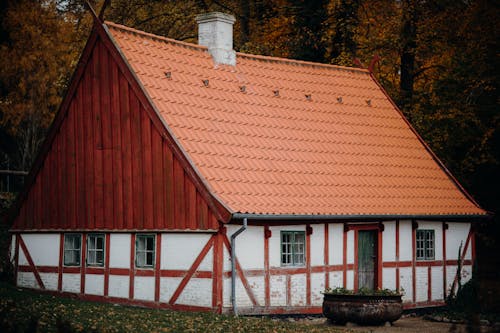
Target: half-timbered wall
{"type": "Point", "coordinates": [264, 286]}
{"type": "Point", "coordinates": [189, 273]}
{"type": "Point", "coordinates": [108, 167]}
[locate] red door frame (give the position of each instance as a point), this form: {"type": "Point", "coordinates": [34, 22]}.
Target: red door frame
{"type": "Point", "coordinates": [379, 227]}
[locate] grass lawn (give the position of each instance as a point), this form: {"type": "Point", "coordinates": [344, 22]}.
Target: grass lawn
{"type": "Point", "coordinates": [21, 308]}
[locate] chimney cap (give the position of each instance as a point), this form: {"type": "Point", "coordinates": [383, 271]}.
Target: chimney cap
{"type": "Point", "coordinates": [207, 17]}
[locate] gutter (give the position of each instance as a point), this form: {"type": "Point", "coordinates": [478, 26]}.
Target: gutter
{"type": "Point", "coordinates": [360, 218]}
{"type": "Point", "coordinates": [233, 264]}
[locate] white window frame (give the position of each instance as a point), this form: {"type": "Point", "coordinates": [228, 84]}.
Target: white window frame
{"type": "Point", "coordinates": [92, 241]}
{"type": "Point", "coordinates": [74, 249]}
{"type": "Point", "coordinates": [141, 253]}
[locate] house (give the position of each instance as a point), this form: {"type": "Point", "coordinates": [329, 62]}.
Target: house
{"type": "Point", "coordinates": [165, 156]}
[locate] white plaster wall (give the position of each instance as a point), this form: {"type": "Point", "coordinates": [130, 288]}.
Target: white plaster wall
{"type": "Point", "coordinates": [43, 248]}
{"type": "Point", "coordinates": [226, 292]}
{"type": "Point", "coordinates": [275, 242]}
{"type": "Point", "coordinates": [94, 284]}
{"type": "Point", "coordinates": [168, 286]}
{"type": "Point", "coordinates": [118, 286]}
{"type": "Point", "coordinates": [389, 241]}
{"type": "Point", "coordinates": [350, 247]}
{"type": "Point", "coordinates": [27, 279]}
{"type": "Point", "coordinates": [405, 241]}
{"type": "Point", "coordinates": [457, 233]}
{"type": "Point", "coordinates": [71, 283]}
{"type": "Point", "coordinates": [144, 288]}
{"type": "Point", "coordinates": [298, 292]}
{"type": "Point", "coordinates": [437, 283]}
{"type": "Point", "coordinates": [421, 285]}
{"type": "Point", "coordinates": [278, 290]}
{"type": "Point", "coordinates": [336, 246]}
{"type": "Point", "coordinates": [256, 283]}
{"type": "Point", "coordinates": [350, 280]}
{"type": "Point", "coordinates": [389, 278]}
{"type": "Point", "coordinates": [451, 271]}
{"type": "Point", "coordinates": [438, 234]}
{"type": "Point", "coordinates": [317, 286]}
{"type": "Point", "coordinates": [406, 283]}
{"type": "Point", "coordinates": [119, 254]}
{"type": "Point", "coordinates": [227, 260]}
{"type": "Point", "coordinates": [50, 280]}
{"type": "Point", "coordinates": [317, 240]}
{"type": "Point", "coordinates": [336, 279]}
{"type": "Point", "coordinates": [242, 298]}
{"type": "Point", "coordinates": [249, 246]}
{"type": "Point", "coordinates": [198, 292]}
{"type": "Point", "coordinates": [180, 250]}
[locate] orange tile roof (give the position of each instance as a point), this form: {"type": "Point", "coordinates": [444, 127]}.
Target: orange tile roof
{"type": "Point", "coordinates": [269, 149]}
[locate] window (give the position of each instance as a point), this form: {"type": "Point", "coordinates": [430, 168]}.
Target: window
{"type": "Point", "coordinates": [145, 251]}
{"type": "Point", "coordinates": [425, 245]}
{"type": "Point", "coordinates": [95, 250]}
{"type": "Point", "coordinates": [293, 248]}
{"type": "Point", "coordinates": [72, 249]}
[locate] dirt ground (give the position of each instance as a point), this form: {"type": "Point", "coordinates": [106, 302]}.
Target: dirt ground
{"type": "Point", "coordinates": [406, 325]}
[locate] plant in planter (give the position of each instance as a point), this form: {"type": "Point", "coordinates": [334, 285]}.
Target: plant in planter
{"type": "Point", "coordinates": [364, 306]}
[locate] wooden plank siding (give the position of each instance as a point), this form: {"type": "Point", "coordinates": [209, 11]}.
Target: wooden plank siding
{"type": "Point", "coordinates": [108, 166]}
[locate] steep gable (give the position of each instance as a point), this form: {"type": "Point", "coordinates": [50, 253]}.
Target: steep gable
{"type": "Point", "coordinates": [109, 163]}
{"type": "Point", "coordinates": [276, 136]}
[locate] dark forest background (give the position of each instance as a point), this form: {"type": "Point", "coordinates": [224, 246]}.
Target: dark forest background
{"type": "Point", "coordinates": [439, 62]}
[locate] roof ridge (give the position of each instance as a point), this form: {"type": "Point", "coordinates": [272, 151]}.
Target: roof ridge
{"type": "Point", "coordinates": [241, 54]}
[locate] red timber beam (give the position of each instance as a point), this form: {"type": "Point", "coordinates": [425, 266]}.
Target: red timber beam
{"type": "Point", "coordinates": [309, 231]}
{"type": "Point", "coordinates": [326, 254]}
{"type": "Point", "coordinates": [83, 265]}
{"type": "Point", "coordinates": [218, 270]}
{"type": "Point", "coordinates": [445, 282]}
{"type": "Point", "coordinates": [157, 267]}
{"type": "Point", "coordinates": [241, 274]}
{"type": "Point", "coordinates": [32, 266]}
{"type": "Point", "coordinates": [344, 255]}
{"type": "Point", "coordinates": [414, 226]}
{"type": "Point", "coordinates": [192, 270]}
{"type": "Point", "coordinates": [267, 275]}
{"type": "Point", "coordinates": [397, 256]}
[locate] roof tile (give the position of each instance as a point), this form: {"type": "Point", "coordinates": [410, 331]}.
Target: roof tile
{"type": "Point", "coordinates": [344, 151]}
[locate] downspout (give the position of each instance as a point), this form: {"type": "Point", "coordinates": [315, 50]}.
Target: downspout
{"type": "Point", "coordinates": [233, 264]}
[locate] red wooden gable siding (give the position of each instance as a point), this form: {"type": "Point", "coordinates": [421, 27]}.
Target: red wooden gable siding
{"type": "Point", "coordinates": [108, 167]}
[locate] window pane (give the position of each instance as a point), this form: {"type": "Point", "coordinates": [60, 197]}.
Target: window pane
{"type": "Point", "coordinates": [141, 243]}
{"type": "Point", "coordinates": [99, 257]}
{"type": "Point", "coordinates": [100, 242]}
{"type": "Point", "coordinates": [150, 243]}
{"type": "Point", "coordinates": [149, 259]}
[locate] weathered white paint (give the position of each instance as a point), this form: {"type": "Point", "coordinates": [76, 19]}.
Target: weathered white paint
{"type": "Point", "coordinates": [317, 240]}
{"type": "Point", "coordinates": [71, 283]}
{"type": "Point", "coordinates": [168, 286]}
{"type": "Point", "coordinates": [421, 274]}
{"type": "Point", "coordinates": [298, 292]}
{"type": "Point", "coordinates": [50, 280]}
{"type": "Point", "coordinates": [215, 30]}
{"type": "Point", "coordinates": [437, 283]}
{"type": "Point", "coordinates": [198, 292]}
{"type": "Point", "coordinates": [389, 278]}
{"type": "Point", "coordinates": [336, 246]}
{"type": "Point", "coordinates": [94, 284]}
{"type": "Point", "coordinates": [405, 241]}
{"type": "Point", "coordinates": [389, 241]}
{"type": "Point", "coordinates": [27, 280]}
{"type": "Point", "coordinates": [118, 286]}
{"type": "Point", "coordinates": [278, 290]}
{"type": "Point", "coordinates": [43, 248]}
{"type": "Point", "coordinates": [256, 283]}
{"type": "Point", "coordinates": [350, 279]}
{"type": "Point", "coordinates": [144, 288]}
{"type": "Point", "coordinates": [119, 255]}
{"type": "Point", "coordinates": [336, 279]}
{"type": "Point", "coordinates": [406, 283]}
{"type": "Point", "coordinates": [317, 286]}
{"type": "Point", "coordinates": [249, 246]}
{"type": "Point", "coordinates": [242, 298]}
{"type": "Point", "coordinates": [179, 250]}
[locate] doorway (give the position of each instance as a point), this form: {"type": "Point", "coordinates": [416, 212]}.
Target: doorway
{"type": "Point", "coordinates": [367, 259]}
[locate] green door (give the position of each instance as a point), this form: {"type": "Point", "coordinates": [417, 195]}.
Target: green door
{"type": "Point", "coordinates": [367, 259]}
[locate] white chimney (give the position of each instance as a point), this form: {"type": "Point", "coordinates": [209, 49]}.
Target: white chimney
{"type": "Point", "coordinates": [215, 30]}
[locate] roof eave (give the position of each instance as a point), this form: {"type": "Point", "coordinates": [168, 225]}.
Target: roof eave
{"type": "Point", "coordinates": [358, 218]}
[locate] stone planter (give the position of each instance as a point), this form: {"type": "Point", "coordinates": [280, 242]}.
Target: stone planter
{"type": "Point", "coordinates": [362, 309]}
